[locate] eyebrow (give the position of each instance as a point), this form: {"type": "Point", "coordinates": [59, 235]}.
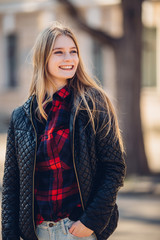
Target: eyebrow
{"type": "Point", "coordinates": [63, 48]}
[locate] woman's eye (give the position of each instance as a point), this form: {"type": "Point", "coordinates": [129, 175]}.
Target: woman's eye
{"type": "Point", "coordinates": [61, 52]}
{"type": "Point", "coordinates": [74, 51]}
{"type": "Point", "coordinates": [58, 52]}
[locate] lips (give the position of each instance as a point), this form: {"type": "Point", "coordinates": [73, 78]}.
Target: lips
{"type": "Point", "coordinates": [66, 67]}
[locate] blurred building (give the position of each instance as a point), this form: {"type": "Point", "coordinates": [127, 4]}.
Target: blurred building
{"type": "Point", "coordinates": [21, 21]}
{"type": "Point", "coordinates": [150, 94]}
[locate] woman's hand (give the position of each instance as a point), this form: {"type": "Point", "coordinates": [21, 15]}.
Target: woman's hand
{"type": "Point", "coordinates": [80, 230]}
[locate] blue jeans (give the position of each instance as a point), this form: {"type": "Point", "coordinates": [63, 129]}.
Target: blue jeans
{"type": "Point", "coordinates": [58, 231]}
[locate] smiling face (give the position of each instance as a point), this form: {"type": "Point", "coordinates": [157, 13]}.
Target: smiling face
{"type": "Point", "coordinates": [63, 62]}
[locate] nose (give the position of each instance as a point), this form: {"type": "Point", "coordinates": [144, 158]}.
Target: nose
{"type": "Point", "coordinates": [67, 56]}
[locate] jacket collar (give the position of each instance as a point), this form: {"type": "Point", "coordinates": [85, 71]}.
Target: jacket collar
{"type": "Point", "coordinates": [28, 105]}
{"type": "Point", "coordinates": [31, 104]}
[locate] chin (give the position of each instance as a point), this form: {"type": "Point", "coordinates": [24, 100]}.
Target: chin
{"type": "Point", "coordinates": [69, 76]}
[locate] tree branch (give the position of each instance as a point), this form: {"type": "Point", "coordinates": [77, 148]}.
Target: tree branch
{"type": "Point", "coordinates": [98, 34]}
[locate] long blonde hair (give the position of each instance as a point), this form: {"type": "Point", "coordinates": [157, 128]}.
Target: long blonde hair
{"type": "Point", "coordinates": [83, 85]}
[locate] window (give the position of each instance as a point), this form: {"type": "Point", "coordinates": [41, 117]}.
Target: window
{"type": "Point", "coordinates": [98, 61]}
{"type": "Point", "coordinates": [149, 57]}
{"type": "Point", "coordinates": [11, 41]}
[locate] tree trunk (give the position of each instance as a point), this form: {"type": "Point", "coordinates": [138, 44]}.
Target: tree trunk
{"type": "Point", "coordinates": [128, 61]}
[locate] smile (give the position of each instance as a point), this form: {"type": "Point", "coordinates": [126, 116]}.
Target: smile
{"type": "Point", "coordinates": [67, 67]}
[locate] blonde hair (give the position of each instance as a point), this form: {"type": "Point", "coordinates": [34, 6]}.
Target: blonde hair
{"type": "Point", "coordinates": [84, 87]}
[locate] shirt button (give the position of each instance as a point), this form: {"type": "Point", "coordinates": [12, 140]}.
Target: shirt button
{"type": "Point", "coordinates": [51, 224]}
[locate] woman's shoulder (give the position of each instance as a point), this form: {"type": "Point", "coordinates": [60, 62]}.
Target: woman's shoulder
{"type": "Point", "coordinates": [98, 96]}
{"type": "Point", "coordinates": [22, 111]}
{"type": "Point", "coordinates": [93, 91]}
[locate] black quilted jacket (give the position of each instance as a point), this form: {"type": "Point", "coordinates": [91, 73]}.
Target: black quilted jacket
{"type": "Point", "coordinates": [99, 168]}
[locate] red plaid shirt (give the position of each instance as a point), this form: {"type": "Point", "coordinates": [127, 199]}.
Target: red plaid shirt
{"type": "Point", "coordinates": [56, 190]}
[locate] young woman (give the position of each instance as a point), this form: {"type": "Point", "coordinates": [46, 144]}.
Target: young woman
{"type": "Point", "coordinates": [64, 160]}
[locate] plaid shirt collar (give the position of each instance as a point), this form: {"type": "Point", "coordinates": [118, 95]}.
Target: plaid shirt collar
{"type": "Point", "coordinates": [63, 92]}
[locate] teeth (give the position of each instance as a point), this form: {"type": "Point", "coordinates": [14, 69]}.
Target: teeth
{"type": "Point", "coordinates": [66, 67]}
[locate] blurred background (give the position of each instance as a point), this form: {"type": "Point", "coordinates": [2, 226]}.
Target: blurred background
{"type": "Point", "coordinates": [120, 45]}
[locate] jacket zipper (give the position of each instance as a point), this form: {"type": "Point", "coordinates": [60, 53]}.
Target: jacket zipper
{"type": "Point", "coordinates": [76, 169]}
{"type": "Point", "coordinates": [33, 169]}
{"type": "Point", "coordinates": [77, 174]}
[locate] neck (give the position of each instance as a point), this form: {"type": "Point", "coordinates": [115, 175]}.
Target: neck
{"type": "Point", "coordinates": [61, 86]}
{"type": "Point", "coordinates": [58, 86]}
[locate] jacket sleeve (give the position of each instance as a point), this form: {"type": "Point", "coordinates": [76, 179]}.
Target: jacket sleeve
{"type": "Point", "coordinates": [10, 192]}
{"type": "Point", "coordinates": [98, 214]}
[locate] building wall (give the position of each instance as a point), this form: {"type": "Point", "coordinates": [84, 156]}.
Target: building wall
{"type": "Point", "coordinates": [25, 31]}
{"type": "Point", "coordinates": [26, 18]}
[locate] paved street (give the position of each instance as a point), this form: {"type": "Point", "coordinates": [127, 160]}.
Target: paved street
{"type": "Point", "coordinates": [139, 218]}
{"type": "Point", "coordinates": [139, 205]}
